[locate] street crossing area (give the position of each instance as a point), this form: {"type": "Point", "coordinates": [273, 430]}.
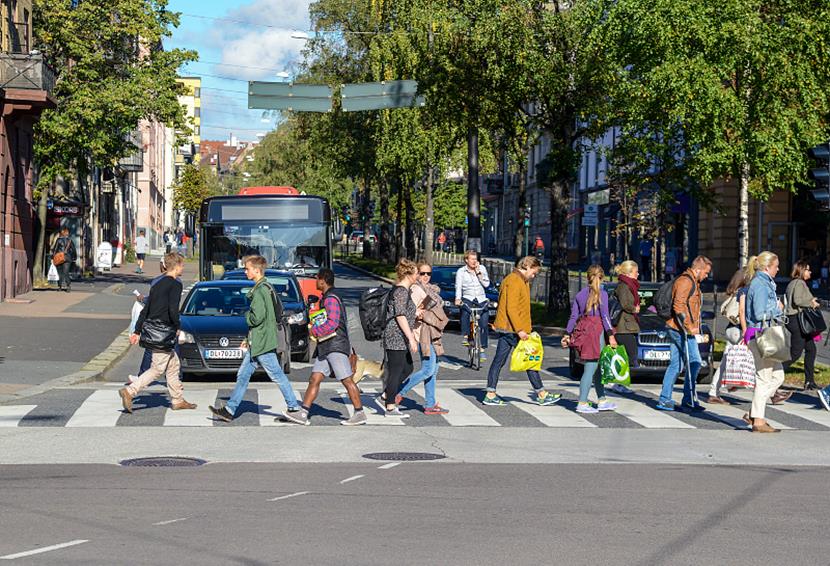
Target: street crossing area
{"type": "Point", "coordinates": [263, 404]}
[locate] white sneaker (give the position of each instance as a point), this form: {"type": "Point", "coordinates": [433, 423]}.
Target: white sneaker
{"type": "Point", "coordinates": [586, 408]}
{"type": "Point", "coordinates": [622, 389]}
{"type": "Point", "coordinates": [396, 412]}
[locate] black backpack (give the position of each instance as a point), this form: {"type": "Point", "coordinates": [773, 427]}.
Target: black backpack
{"type": "Point", "coordinates": [614, 310]}
{"type": "Point", "coordinates": [372, 310]}
{"type": "Point", "coordinates": [663, 299]}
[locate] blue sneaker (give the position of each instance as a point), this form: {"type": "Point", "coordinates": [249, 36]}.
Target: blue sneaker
{"type": "Point", "coordinates": [548, 399]}
{"type": "Point", "coordinates": [494, 401]}
{"type": "Point", "coordinates": [824, 397]}
{"type": "Point", "coordinates": [665, 406]}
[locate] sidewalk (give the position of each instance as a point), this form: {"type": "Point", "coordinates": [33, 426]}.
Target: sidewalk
{"type": "Point", "coordinates": [49, 338]}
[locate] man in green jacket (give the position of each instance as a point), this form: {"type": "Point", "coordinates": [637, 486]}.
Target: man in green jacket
{"type": "Point", "coordinates": [261, 344]}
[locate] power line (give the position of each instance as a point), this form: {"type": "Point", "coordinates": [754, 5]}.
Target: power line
{"type": "Point", "coordinates": [245, 92]}
{"type": "Point", "coordinates": [221, 127]}
{"type": "Point", "coordinates": [234, 65]}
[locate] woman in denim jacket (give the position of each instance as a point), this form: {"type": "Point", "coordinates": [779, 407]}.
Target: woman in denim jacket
{"type": "Point", "coordinates": [762, 305]}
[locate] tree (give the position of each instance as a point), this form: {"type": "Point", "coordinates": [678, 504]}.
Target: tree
{"type": "Point", "coordinates": [190, 189]}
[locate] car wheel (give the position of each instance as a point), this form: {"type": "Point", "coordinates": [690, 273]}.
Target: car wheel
{"type": "Point", "coordinates": [575, 367]}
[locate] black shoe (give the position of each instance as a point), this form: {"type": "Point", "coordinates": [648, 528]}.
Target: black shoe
{"type": "Point", "coordinates": [811, 386]}
{"type": "Point", "coordinates": [221, 413]}
{"type": "Point", "coordinates": [696, 408]}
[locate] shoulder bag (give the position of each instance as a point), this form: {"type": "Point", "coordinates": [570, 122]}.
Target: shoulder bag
{"type": "Point", "coordinates": [774, 341]}
{"type": "Point", "coordinates": [157, 335]}
{"type": "Point", "coordinates": [811, 322]}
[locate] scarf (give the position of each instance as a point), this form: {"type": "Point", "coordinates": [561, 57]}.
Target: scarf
{"type": "Point", "coordinates": [634, 285]}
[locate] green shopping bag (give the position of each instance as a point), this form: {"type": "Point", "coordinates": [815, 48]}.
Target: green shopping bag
{"type": "Point", "coordinates": [613, 365]}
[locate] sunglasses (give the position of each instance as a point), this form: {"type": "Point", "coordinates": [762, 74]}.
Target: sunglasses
{"type": "Point", "coordinates": [426, 273]}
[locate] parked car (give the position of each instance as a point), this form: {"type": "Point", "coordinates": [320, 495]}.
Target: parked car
{"type": "Point", "coordinates": [444, 277]}
{"type": "Point", "coordinates": [357, 236]}
{"type": "Point", "coordinates": [213, 328]}
{"type": "Point", "coordinates": [653, 350]}
{"type": "Point", "coordinates": [287, 286]}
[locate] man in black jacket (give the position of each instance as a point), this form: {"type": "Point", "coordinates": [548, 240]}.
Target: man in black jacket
{"type": "Point", "coordinates": [66, 246]}
{"type": "Point", "coordinates": [162, 308]}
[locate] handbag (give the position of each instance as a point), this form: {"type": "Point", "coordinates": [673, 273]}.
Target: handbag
{"type": "Point", "coordinates": [738, 367]}
{"type": "Point", "coordinates": [730, 309]}
{"type": "Point", "coordinates": [811, 322]}
{"type": "Point", "coordinates": [774, 342]}
{"type": "Point", "coordinates": [157, 335]}
{"type": "Point", "coordinates": [59, 258]}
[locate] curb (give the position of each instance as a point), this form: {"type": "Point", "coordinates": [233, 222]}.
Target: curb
{"type": "Point", "coordinates": [91, 371]}
{"type": "Point", "coordinates": [542, 330]}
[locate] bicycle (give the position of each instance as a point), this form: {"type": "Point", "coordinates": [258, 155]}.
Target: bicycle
{"type": "Point", "coordinates": [474, 336]}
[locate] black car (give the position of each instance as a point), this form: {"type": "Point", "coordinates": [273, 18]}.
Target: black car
{"type": "Point", "coordinates": [653, 350]}
{"type": "Point", "coordinates": [444, 277]}
{"type": "Point", "coordinates": [213, 328]}
{"type": "Point", "coordinates": [296, 310]}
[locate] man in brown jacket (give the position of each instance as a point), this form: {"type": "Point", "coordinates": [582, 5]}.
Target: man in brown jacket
{"type": "Point", "coordinates": [686, 307]}
{"type": "Point", "coordinates": [513, 324]}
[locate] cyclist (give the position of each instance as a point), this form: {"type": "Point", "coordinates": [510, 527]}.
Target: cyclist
{"type": "Point", "coordinates": [470, 282]}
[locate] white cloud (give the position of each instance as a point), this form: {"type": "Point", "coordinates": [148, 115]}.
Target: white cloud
{"type": "Point", "coordinates": [281, 13]}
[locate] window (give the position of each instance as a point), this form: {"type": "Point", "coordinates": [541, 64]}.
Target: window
{"type": "Point", "coordinates": [197, 92]}
{"type": "Point", "coordinates": [197, 112]}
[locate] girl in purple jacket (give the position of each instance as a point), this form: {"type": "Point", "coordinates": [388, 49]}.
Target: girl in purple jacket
{"type": "Point", "coordinates": [586, 331]}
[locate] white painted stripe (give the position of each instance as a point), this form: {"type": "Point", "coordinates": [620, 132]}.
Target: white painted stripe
{"type": "Point", "coordinates": [645, 415]}
{"type": "Point", "coordinates": [449, 365]}
{"type": "Point", "coordinates": [271, 404]}
{"type": "Point", "coordinates": [200, 416]}
{"type": "Point", "coordinates": [301, 365]}
{"type": "Point", "coordinates": [42, 550]}
{"type": "Point", "coordinates": [11, 415]}
{"type": "Point", "coordinates": [373, 414]}
{"type": "Point", "coordinates": [170, 522]}
{"type": "Point", "coordinates": [551, 415]}
{"type": "Point", "coordinates": [731, 415]}
{"type": "Point", "coordinates": [353, 478]}
{"type": "Point", "coordinates": [462, 411]}
{"type": "Point", "coordinates": [101, 409]}
{"type": "Point", "coordinates": [389, 466]}
{"type": "Point", "coordinates": [815, 413]}
{"type": "Point", "coordinates": [289, 496]}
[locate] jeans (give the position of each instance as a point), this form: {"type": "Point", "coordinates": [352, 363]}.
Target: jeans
{"type": "Point", "coordinates": [428, 373]}
{"type": "Point", "coordinates": [508, 341]}
{"type": "Point", "coordinates": [591, 374]}
{"type": "Point", "coordinates": [483, 321]}
{"type": "Point", "coordinates": [678, 357]}
{"type": "Point", "coordinates": [271, 365]}
{"type": "Point", "coordinates": [64, 282]}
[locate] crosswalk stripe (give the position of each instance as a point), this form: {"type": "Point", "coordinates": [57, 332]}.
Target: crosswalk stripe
{"type": "Point", "coordinates": [373, 417]}
{"type": "Point", "coordinates": [553, 415]}
{"type": "Point", "coordinates": [815, 414]}
{"type": "Point", "coordinates": [646, 416]}
{"type": "Point", "coordinates": [198, 417]}
{"type": "Point", "coordinates": [733, 416]}
{"type": "Point", "coordinates": [462, 412]}
{"type": "Point", "coordinates": [101, 409]}
{"type": "Point", "coordinates": [270, 405]}
{"type": "Point", "coordinates": [11, 415]}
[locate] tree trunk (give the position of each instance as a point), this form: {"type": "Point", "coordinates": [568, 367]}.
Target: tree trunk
{"type": "Point", "coordinates": [410, 227]}
{"type": "Point", "coordinates": [519, 236]}
{"type": "Point", "coordinates": [366, 223]}
{"type": "Point", "coordinates": [429, 227]}
{"type": "Point", "coordinates": [559, 300]}
{"type": "Point", "coordinates": [398, 222]}
{"type": "Point", "coordinates": [743, 217]}
{"type": "Point", "coordinates": [386, 251]}
{"type": "Point", "coordinates": [40, 249]}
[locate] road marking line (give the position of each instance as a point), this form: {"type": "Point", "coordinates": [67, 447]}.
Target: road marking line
{"type": "Point", "coordinates": [389, 466]}
{"type": "Point", "coordinates": [200, 416]}
{"type": "Point", "coordinates": [373, 417]}
{"type": "Point", "coordinates": [170, 522]}
{"type": "Point", "coordinates": [450, 365]}
{"type": "Point", "coordinates": [299, 493]}
{"type": "Point", "coordinates": [555, 416]}
{"type": "Point", "coordinates": [12, 415]}
{"type": "Point", "coordinates": [101, 409]}
{"type": "Point", "coordinates": [734, 416]}
{"type": "Point", "coordinates": [462, 412]}
{"type": "Point", "coordinates": [815, 413]}
{"type": "Point", "coordinates": [273, 399]}
{"type": "Point", "coordinates": [42, 550]}
{"type": "Point", "coordinates": [347, 480]}
{"type": "Point", "coordinates": [646, 416]}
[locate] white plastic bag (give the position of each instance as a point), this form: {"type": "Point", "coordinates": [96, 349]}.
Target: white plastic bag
{"type": "Point", "coordinates": [52, 276]}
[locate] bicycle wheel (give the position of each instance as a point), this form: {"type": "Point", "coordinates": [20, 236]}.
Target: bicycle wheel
{"type": "Point", "coordinates": [477, 349]}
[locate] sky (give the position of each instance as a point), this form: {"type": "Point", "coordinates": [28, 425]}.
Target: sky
{"type": "Point", "coordinates": [238, 41]}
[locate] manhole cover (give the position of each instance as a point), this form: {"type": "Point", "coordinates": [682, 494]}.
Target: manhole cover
{"type": "Point", "coordinates": [163, 462]}
{"type": "Point", "coordinates": [404, 456]}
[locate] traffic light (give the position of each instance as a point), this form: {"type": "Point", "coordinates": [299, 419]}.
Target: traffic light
{"type": "Point", "coordinates": [820, 174]}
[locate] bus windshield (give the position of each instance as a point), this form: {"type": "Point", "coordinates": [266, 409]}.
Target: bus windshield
{"type": "Point", "coordinates": [301, 248]}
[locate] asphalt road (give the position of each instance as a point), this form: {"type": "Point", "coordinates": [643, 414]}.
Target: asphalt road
{"type": "Point", "coordinates": [415, 513]}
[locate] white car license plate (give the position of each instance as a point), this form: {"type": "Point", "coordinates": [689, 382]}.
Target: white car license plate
{"type": "Point", "coordinates": [659, 355]}
{"type": "Point", "coordinates": [234, 354]}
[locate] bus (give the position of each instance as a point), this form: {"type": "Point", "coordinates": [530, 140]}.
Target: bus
{"type": "Point", "coordinates": [290, 230]}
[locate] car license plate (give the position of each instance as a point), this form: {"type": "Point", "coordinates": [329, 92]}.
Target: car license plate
{"type": "Point", "coordinates": [659, 355]}
{"type": "Point", "coordinates": [235, 354]}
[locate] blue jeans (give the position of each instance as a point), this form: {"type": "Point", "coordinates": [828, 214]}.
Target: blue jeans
{"type": "Point", "coordinates": [591, 375]}
{"type": "Point", "coordinates": [271, 365]}
{"type": "Point", "coordinates": [428, 373]}
{"type": "Point", "coordinates": [483, 320]}
{"type": "Point", "coordinates": [678, 357]}
{"type": "Point", "coordinates": [508, 341]}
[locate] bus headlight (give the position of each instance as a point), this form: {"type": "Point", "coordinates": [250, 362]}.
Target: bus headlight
{"type": "Point", "coordinates": [186, 338]}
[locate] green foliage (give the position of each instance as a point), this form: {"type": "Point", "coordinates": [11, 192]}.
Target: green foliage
{"type": "Point", "coordinates": [191, 188]}
{"type": "Point", "coordinates": [108, 79]}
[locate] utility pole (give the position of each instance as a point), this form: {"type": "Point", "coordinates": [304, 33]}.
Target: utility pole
{"type": "Point", "coordinates": [527, 230]}
{"type": "Point", "coordinates": [473, 193]}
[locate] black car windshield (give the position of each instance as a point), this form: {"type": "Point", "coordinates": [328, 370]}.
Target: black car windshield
{"type": "Point", "coordinates": [443, 277]}
{"type": "Point", "coordinates": [283, 285]}
{"type": "Point", "coordinates": [218, 300]}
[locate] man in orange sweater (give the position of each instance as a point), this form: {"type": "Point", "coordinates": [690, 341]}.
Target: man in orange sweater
{"type": "Point", "coordinates": [513, 324]}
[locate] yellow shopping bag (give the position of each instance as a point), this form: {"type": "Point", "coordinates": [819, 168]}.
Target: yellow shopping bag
{"type": "Point", "coordinates": [528, 354]}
